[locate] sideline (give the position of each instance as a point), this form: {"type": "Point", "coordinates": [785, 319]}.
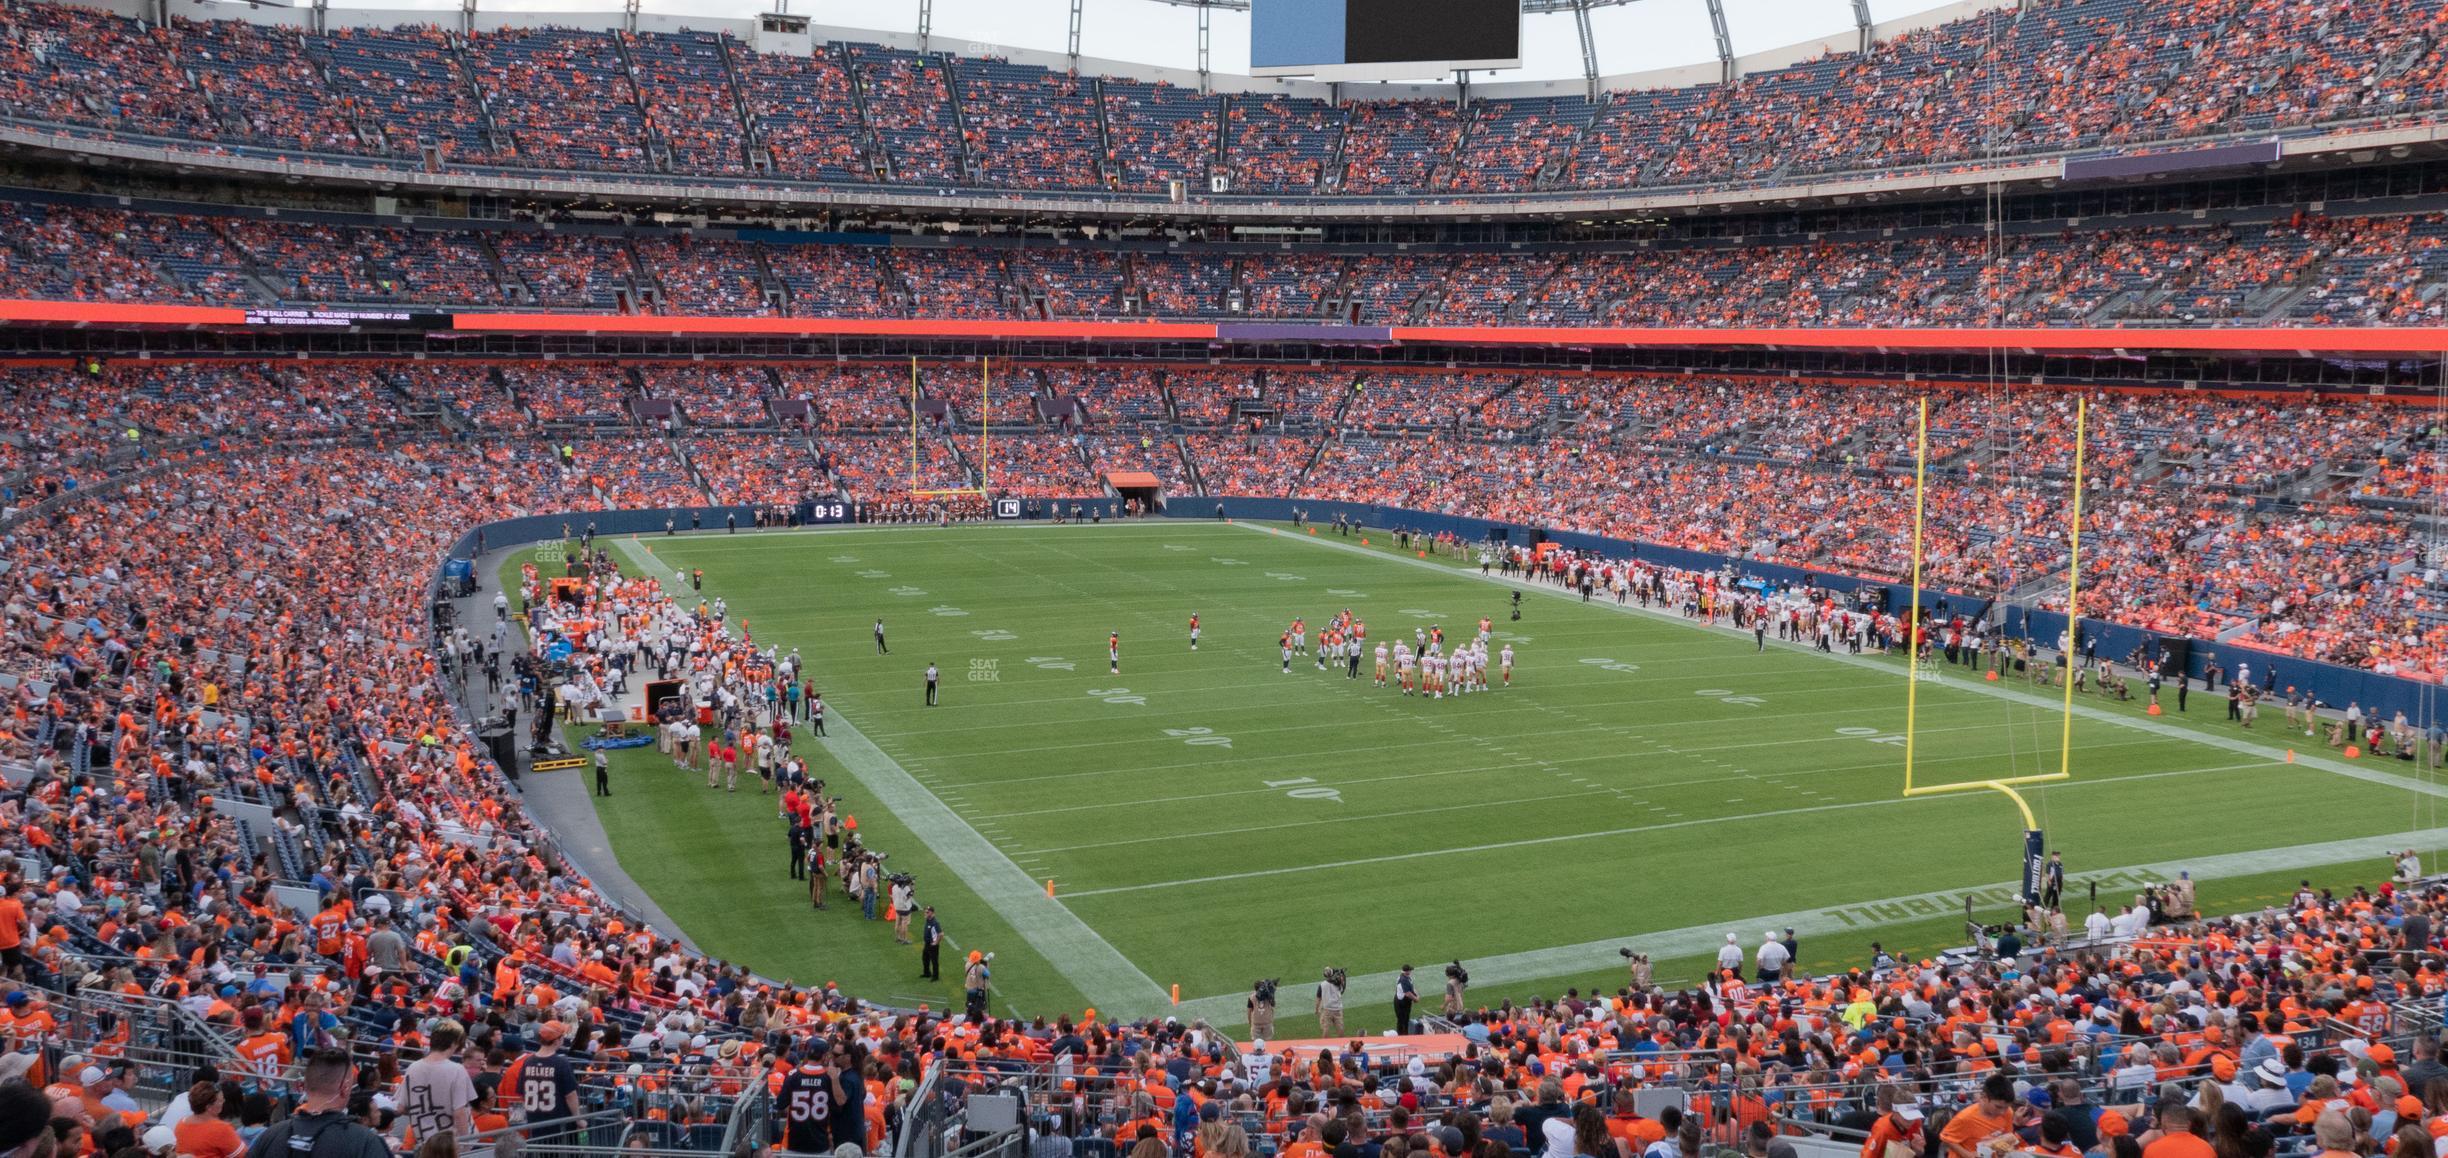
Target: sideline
{"type": "Point", "coordinates": [1078, 952]}
{"type": "Point", "coordinates": [1699, 940]}
{"type": "Point", "coordinates": [1568, 837]}
{"type": "Point", "coordinates": [560, 803]}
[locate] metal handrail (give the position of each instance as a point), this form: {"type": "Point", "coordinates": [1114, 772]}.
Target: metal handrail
{"type": "Point", "coordinates": [923, 1120]}
{"type": "Point", "coordinates": [556, 1130]}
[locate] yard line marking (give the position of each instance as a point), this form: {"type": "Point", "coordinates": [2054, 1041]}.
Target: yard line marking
{"type": "Point", "coordinates": [1552, 679]}
{"type": "Point", "coordinates": [1564, 838]}
{"type": "Point", "coordinates": [1081, 954]}
{"type": "Point", "coordinates": [1471, 708]}
{"type": "Point", "coordinates": [1699, 940]}
{"type": "Point", "coordinates": [1186, 798]}
{"type": "Point", "coordinates": [1998, 691]}
{"type": "Point", "coordinates": [1519, 762]}
{"type": "Point", "coordinates": [1240, 759]}
{"type": "Point", "coordinates": [1179, 836]}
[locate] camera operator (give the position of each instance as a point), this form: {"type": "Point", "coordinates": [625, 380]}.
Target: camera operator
{"type": "Point", "coordinates": [1457, 980]}
{"type": "Point", "coordinates": [1637, 964]}
{"type": "Point", "coordinates": [904, 899]}
{"type": "Point", "coordinates": [1330, 1003]}
{"type": "Point", "coordinates": [974, 981]}
{"type": "Point", "coordinates": [1262, 1009]}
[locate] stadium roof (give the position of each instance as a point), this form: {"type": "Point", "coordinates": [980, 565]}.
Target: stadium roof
{"type": "Point", "coordinates": [1626, 37]}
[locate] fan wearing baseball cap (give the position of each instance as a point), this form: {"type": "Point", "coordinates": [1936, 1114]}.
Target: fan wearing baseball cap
{"type": "Point", "coordinates": [547, 1084]}
{"type": "Point", "coordinates": [1897, 1133]}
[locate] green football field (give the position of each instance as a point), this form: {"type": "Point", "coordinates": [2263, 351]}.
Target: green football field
{"type": "Point", "coordinates": [1208, 819]}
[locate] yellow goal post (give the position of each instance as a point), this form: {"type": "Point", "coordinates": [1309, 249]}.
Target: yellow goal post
{"type": "Point", "coordinates": [1913, 632]}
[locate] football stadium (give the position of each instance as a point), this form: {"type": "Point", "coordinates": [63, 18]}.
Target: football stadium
{"type": "Point", "coordinates": [1224, 579]}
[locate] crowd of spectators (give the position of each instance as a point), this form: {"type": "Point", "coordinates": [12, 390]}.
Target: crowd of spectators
{"type": "Point", "coordinates": [1083, 283]}
{"type": "Point", "coordinates": [562, 97]}
{"type": "Point", "coordinates": [587, 392]}
{"type": "Point", "coordinates": [1161, 133]}
{"type": "Point", "coordinates": [151, 675]}
{"type": "Point", "coordinates": [716, 396]}
{"type": "Point", "coordinates": [2060, 76]}
{"type": "Point", "coordinates": [1401, 145]}
{"type": "Point", "coordinates": [1036, 464]}
{"type": "Point", "coordinates": [909, 110]}
{"type": "Point", "coordinates": [704, 276]}
{"type": "Point", "coordinates": [2291, 524]}
{"type": "Point", "coordinates": [563, 271]}
{"type": "Point", "coordinates": [469, 390]}
{"type": "Point", "coordinates": [806, 120]}
{"type": "Point", "coordinates": [2310, 270]}
{"type": "Point", "coordinates": [758, 469]}
{"type": "Point", "coordinates": [684, 86]}
{"type": "Point", "coordinates": [1030, 128]}
{"type": "Point", "coordinates": [870, 398]}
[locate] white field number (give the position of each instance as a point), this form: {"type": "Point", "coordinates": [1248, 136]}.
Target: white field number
{"type": "Point", "coordinates": [943, 609]}
{"type": "Point", "coordinates": [1049, 663]}
{"type": "Point", "coordinates": [1892, 739]}
{"type": "Point", "coordinates": [1199, 737]}
{"type": "Point", "coordinates": [1220, 561]}
{"type": "Point", "coordinates": [1285, 577]}
{"type": "Point", "coordinates": [905, 591]}
{"type": "Point", "coordinates": [1118, 696]}
{"type": "Point", "coordinates": [993, 635]}
{"type": "Point", "coordinates": [1604, 664]}
{"type": "Point", "coordinates": [1727, 696]}
{"type": "Point", "coordinates": [1421, 613]}
{"type": "Point", "coordinates": [873, 574]}
{"type": "Point", "coordinates": [1313, 792]}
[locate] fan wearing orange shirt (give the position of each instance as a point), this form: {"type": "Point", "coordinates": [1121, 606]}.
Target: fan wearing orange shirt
{"type": "Point", "coordinates": [2176, 1137]}
{"type": "Point", "coordinates": [204, 1133]}
{"type": "Point", "coordinates": [1986, 1125]}
{"type": "Point", "coordinates": [1308, 1145]}
{"type": "Point", "coordinates": [12, 930]}
{"type": "Point", "coordinates": [265, 1052]}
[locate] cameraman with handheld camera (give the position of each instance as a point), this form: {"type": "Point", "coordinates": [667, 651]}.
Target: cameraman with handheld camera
{"type": "Point", "coordinates": [1330, 1002]}
{"type": "Point", "coordinates": [1638, 965]}
{"type": "Point", "coordinates": [904, 901]}
{"type": "Point", "coordinates": [1262, 1008]}
{"type": "Point", "coordinates": [1457, 980]}
{"type": "Point", "coordinates": [974, 982]}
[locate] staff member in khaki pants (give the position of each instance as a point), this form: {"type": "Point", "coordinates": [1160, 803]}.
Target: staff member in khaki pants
{"type": "Point", "coordinates": [1330, 1004]}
